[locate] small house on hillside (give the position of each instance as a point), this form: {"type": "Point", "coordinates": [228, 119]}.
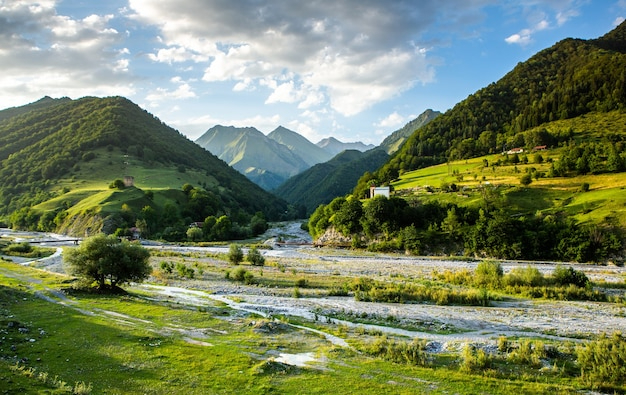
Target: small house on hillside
{"type": "Point", "coordinates": [129, 181]}
{"type": "Point", "coordinates": [513, 151]}
{"type": "Point", "coordinates": [376, 191]}
{"type": "Point", "coordinates": [135, 233]}
{"type": "Point", "coordinates": [540, 148]}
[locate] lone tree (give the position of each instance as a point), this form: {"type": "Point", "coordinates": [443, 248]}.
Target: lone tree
{"type": "Point", "coordinates": [108, 261]}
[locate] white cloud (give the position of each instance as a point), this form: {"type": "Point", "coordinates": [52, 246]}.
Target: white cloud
{"type": "Point", "coordinates": [539, 14]}
{"type": "Point", "coordinates": [176, 55]}
{"type": "Point", "coordinates": [284, 93]}
{"type": "Point", "coordinates": [348, 55]}
{"type": "Point", "coordinates": [392, 120]}
{"type": "Point", "coordinates": [44, 53]}
{"type": "Point", "coordinates": [524, 37]}
{"type": "Point", "coordinates": [182, 91]}
{"type": "Point", "coordinates": [618, 21]}
{"type": "Point", "coordinates": [564, 16]}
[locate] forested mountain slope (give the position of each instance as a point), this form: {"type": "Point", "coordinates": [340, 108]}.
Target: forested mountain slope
{"type": "Point", "coordinates": [572, 78]}
{"type": "Point", "coordinates": [325, 181]}
{"type": "Point", "coordinates": [531, 167]}
{"type": "Point", "coordinates": [394, 141]}
{"type": "Point", "coordinates": [78, 147]}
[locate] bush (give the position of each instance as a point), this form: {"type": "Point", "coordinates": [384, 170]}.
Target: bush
{"type": "Point", "coordinates": [412, 353]}
{"type": "Point", "coordinates": [568, 275]}
{"type": "Point", "coordinates": [474, 359]}
{"type": "Point", "coordinates": [603, 362]}
{"type": "Point", "coordinates": [117, 184]}
{"type": "Point", "coordinates": [18, 248]}
{"type": "Point", "coordinates": [488, 274]}
{"type": "Point", "coordinates": [166, 267]}
{"type": "Point", "coordinates": [242, 275]}
{"type": "Point", "coordinates": [254, 257]}
{"type": "Point", "coordinates": [528, 353]}
{"type": "Point", "coordinates": [584, 187]}
{"type": "Point", "coordinates": [235, 254]}
{"type": "Point", "coordinates": [528, 276]}
{"type": "Point", "coordinates": [185, 271]}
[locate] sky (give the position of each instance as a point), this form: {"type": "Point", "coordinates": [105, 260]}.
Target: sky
{"type": "Point", "coordinates": [356, 70]}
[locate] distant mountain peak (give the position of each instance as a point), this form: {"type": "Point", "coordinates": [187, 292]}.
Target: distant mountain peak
{"type": "Point", "coordinates": [394, 141]}
{"type": "Point", "coordinates": [334, 146]}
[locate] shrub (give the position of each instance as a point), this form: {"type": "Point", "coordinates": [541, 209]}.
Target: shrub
{"type": "Point", "coordinates": [488, 274]}
{"type": "Point", "coordinates": [241, 274]}
{"type": "Point", "coordinates": [474, 359]}
{"type": "Point", "coordinates": [185, 271]}
{"type": "Point", "coordinates": [117, 184]}
{"type": "Point", "coordinates": [603, 362]}
{"type": "Point", "coordinates": [254, 257]}
{"type": "Point", "coordinates": [235, 254]}
{"type": "Point", "coordinates": [301, 283]}
{"type": "Point", "coordinates": [528, 276]}
{"type": "Point", "coordinates": [18, 248]}
{"type": "Point", "coordinates": [528, 353]}
{"type": "Point", "coordinates": [166, 267]}
{"type": "Point", "coordinates": [503, 344]}
{"type": "Point", "coordinates": [412, 353]}
{"type": "Point", "coordinates": [568, 275]}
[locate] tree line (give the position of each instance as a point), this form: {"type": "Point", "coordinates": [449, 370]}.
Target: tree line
{"type": "Point", "coordinates": [397, 224]}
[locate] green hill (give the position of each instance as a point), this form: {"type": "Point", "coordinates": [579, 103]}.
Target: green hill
{"type": "Point", "coordinates": [568, 80]}
{"type": "Point", "coordinates": [59, 160]}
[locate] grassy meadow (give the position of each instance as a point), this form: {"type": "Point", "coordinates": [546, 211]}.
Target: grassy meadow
{"type": "Point", "coordinates": [605, 199]}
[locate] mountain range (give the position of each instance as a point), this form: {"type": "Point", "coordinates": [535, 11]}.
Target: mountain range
{"type": "Point", "coordinates": [270, 160]}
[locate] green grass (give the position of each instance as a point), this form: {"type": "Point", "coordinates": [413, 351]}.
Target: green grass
{"type": "Point", "coordinates": [86, 190]}
{"type": "Point", "coordinates": [604, 201]}
{"type": "Point", "coordinates": [131, 344]}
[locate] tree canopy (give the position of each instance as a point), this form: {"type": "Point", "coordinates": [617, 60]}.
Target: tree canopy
{"type": "Point", "coordinates": [108, 261]}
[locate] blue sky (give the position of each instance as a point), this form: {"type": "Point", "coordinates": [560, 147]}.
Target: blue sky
{"type": "Point", "coordinates": [354, 69]}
